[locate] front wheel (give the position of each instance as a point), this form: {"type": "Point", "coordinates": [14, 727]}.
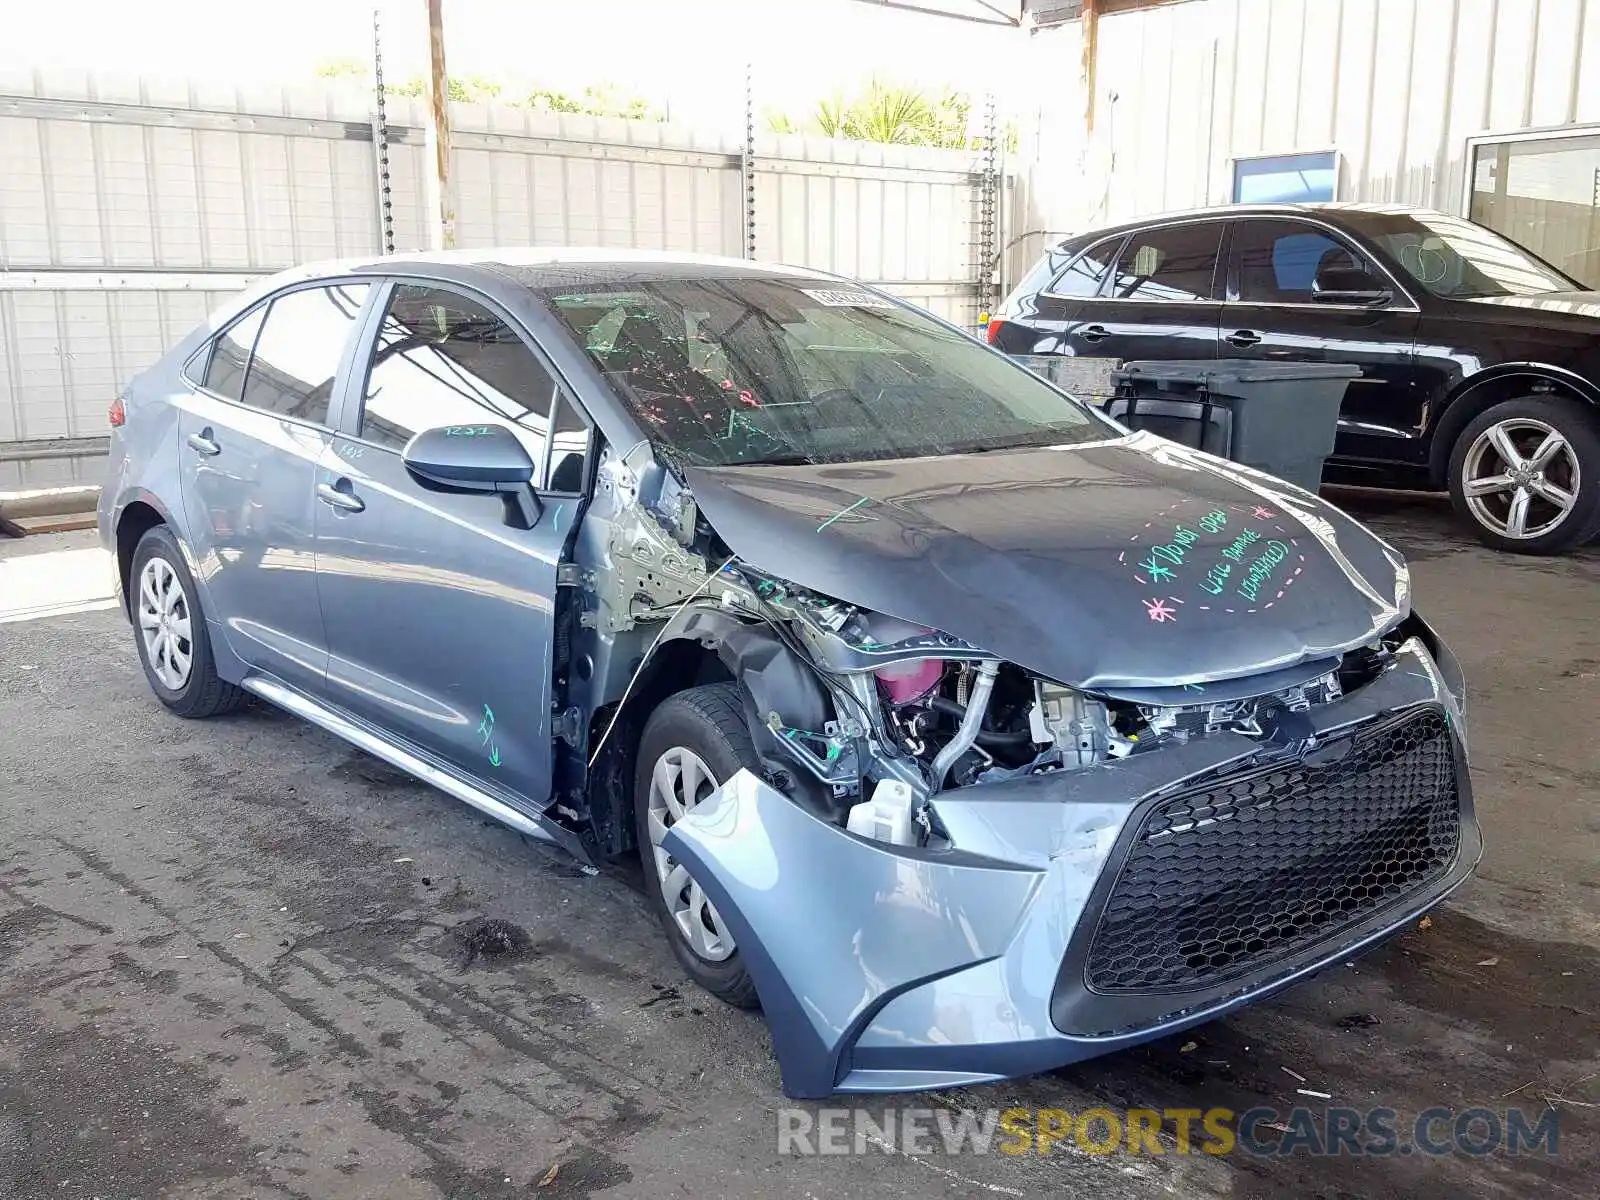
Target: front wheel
{"type": "Point", "coordinates": [693, 743]}
{"type": "Point", "coordinates": [1526, 474]}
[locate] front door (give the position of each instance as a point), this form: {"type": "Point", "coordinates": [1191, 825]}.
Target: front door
{"type": "Point", "coordinates": [1271, 314]}
{"type": "Point", "coordinates": [1158, 302]}
{"type": "Point", "coordinates": [439, 613]}
{"type": "Point", "coordinates": [249, 440]}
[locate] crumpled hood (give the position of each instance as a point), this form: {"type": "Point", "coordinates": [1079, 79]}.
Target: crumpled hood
{"type": "Point", "coordinates": [1130, 563]}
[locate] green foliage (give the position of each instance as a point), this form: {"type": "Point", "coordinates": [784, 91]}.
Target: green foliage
{"type": "Point", "coordinates": [887, 112]}
{"type": "Point", "coordinates": [780, 122]}
{"type": "Point", "coordinates": [343, 68]}
{"type": "Point", "coordinates": [474, 89]}
{"type": "Point", "coordinates": [595, 100]}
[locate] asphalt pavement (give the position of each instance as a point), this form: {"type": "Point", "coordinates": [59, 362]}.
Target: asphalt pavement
{"type": "Point", "coordinates": [240, 959]}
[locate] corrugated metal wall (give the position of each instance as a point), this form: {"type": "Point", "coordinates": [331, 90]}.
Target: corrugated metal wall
{"type": "Point", "coordinates": [128, 209]}
{"type": "Point", "coordinates": [1396, 86]}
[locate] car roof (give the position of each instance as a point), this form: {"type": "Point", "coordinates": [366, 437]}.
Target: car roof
{"type": "Point", "coordinates": [1331, 208]}
{"type": "Point", "coordinates": [555, 266]}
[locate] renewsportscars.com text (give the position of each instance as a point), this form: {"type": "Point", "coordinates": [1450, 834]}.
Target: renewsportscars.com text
{"type": "Point", "coordinates": [1259, 1131]}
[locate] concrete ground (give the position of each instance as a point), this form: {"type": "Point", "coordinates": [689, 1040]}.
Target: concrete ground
{"type": "Point", "coordinates": [229, 966]}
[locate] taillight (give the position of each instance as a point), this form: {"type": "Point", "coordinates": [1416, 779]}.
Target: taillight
{"type": "Point", "coordinates": [991, 334]}
{"type": "Point", "coordinates": [116, 414]}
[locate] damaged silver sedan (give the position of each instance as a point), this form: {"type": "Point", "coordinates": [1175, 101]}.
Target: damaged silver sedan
{"type": "Point", "coordinates": [963, 731]}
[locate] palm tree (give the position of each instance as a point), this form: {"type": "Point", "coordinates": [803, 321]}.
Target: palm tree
{"type": "Point", "coordinates": [887, 112]}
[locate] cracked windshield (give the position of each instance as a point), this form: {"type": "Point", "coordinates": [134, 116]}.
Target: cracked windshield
{"type": "Point", "coordinates": [732, 371]}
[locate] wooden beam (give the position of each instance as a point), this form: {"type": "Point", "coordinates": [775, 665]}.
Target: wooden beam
{"type": "Point", "coordinates": [442, 224]}
{"type": "Point", "coordinates": [1091, 59]}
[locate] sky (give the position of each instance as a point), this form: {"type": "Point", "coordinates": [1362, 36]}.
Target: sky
{"type": "Point", "coordinates": [690, 53]}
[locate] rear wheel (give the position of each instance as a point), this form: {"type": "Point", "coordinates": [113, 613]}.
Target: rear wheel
{"type": "Point", "coordinates": [1526, 474]}
{"type": "Point", "coordinates": [694, 742]}
{"type": "Point", "coordinates": [170, 631]}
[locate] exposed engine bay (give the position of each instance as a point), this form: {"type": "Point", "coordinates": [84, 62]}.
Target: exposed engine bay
{"type": "Point", "coordinates": [916, 711]}
{"type": "Point", "coordinates": [863, 716]}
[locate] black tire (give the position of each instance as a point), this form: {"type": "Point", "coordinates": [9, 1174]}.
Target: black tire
{"type": "Point", "coordinates": [1579, 424]}
{"type": "Point", "coordinates": [710, 722]}
{"type": "Point", "coordinates": [204, 693]}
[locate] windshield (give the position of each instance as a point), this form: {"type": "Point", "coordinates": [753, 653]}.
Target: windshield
{"type": "Point", "coordinates": [1459, 260]}
{"type": "Point", "coordinates": [730, 370]}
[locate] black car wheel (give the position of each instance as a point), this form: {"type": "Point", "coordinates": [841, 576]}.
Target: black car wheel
{"type": "Point", "coordinates": [1526, 474]}
{"type": "Point", "coordinates": [170, 631]}
{"type": "Point", "coordinates": [693, 742]}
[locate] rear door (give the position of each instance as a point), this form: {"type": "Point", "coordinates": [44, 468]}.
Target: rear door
{"type": "Point", "coordinates": [1158, 301]}
{"type": "Point", "coordinates": [251, 435]}
{"type": "Point", "coordinates": [1039, 315]}
{"type": "Point", "coordinates": [1270, 314]}
{"type": "Point", "coordinates": [439, 613]}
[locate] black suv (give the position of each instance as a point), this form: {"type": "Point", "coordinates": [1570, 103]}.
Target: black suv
{"type": "Point", "coordinates": [1480, 363]}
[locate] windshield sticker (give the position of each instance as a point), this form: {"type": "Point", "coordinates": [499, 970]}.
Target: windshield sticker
{"type": "Point", "coordinates": [846, 298]}
{"type": "Point", "coordinates": [1233, 558]}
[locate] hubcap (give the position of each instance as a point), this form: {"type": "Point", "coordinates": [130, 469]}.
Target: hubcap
{"type": "Point", "coordinates": [1521, 478]}
{"type": "Point", "coordinates": [679, 781]}
{"type": "Point", "coordinates": [164, 624]}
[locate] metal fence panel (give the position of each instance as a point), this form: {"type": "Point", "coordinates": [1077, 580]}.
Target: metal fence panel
{"type": "Point", "coordinates": [106, 183]}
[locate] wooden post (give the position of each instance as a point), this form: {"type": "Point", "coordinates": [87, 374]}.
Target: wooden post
{"type": "Point", "coordinates": [1091, 59]}
{"type": "Point", "coordinates": [442, 225]}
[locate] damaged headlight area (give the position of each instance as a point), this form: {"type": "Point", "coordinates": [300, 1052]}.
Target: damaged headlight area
{"type": "Point", "coordinates": [866, 717]}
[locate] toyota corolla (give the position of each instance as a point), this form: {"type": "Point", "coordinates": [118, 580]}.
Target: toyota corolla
{"type": "Point", "coordinates": [964, 731]}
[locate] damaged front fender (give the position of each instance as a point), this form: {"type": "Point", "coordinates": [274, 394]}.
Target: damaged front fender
{"type": "Point", "coordinates": [825, 959]}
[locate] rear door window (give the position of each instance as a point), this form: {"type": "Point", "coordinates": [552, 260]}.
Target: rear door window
{"type": "Point", "coordinates": [299, 348]}
{"type": "Point", "coordinates": [230, 355]}
{"type": "Point", "coordinates": [1173, 262]}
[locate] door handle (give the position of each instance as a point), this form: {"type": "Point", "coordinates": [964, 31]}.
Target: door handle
{"type": "Point", "coordinates": [1243, 337]}
{"type": "Point", "coordinates": [341, 498]}
{"type": "Point", "coordinates": [201, 443]}
{"type": "Point", "coordinates": [1093, 333]}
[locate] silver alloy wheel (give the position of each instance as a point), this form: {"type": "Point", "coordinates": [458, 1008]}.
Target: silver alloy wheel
{"type": "Point", "coordinates": [1521, 478]}
{"type": "Point", "coordinates": [679, 781]}
{"type": "Point", "coordinates": [164, 616]}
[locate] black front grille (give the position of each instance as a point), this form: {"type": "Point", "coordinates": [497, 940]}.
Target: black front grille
{"type": "Point", "coordinates": [1225, 879]}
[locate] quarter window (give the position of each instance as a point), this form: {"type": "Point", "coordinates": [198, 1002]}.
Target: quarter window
{"type": "Point", "coordinates": [1278, 261]}
{"type": "Point", "coordinates": [443, 359]}
{"type": "Point", "coordinates": [1039, 275]}
{"type": "Point", "coordinates": [1088, 271]}
{"type": "Point", "coordinates": [1175, 262]}
{"type": "Point", "coordinates": [298, 350]}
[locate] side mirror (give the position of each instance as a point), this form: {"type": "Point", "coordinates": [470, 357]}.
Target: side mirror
{"type": "Point", "coordinates": [1341, 285]}
{"type": "Point", "coordinates": [476, 458]}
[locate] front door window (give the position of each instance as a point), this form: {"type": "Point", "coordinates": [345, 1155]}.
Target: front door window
{"type": "Point", "coordinates": [1279, 262]}
{"type": "Point", "coordinates": [444, 359]}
